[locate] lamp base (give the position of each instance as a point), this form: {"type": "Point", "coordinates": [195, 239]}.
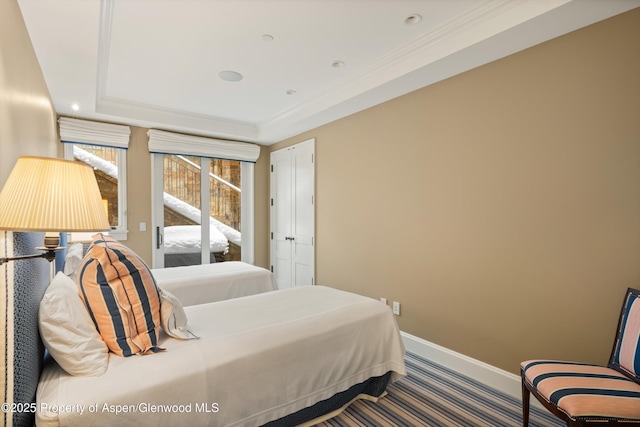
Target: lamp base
{"type": "Point", "coordinates": [51, 240]}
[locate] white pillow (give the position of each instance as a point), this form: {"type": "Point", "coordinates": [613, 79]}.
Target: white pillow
{"type": "Point", "coordinates": [173, 317]}
{"type": "Point", "coordinates": [68, 332]}
{"type": "Point", "coordinates": [73, 259]}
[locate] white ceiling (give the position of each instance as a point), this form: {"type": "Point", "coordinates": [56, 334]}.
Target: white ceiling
{"type": "Point", "coordinates": [156, 63]}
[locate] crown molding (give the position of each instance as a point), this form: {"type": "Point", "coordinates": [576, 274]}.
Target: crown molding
{"type": "Point", "coordinates": [490, 31]}
{"type": "Point", "coordinates": [486, 20]}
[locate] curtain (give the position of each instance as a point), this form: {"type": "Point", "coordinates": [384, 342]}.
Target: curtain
{"type": "Point", "coordinates": [93, 133]}
{"type": "Point", "coordinates": [161, 142]}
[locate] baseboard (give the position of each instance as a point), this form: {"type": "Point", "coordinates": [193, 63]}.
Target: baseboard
{"type": "Point", "coordinates": [497, 378]}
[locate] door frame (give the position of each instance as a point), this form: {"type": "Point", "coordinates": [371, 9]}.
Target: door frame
{"type": "Point", "coordinates": [272, 219]}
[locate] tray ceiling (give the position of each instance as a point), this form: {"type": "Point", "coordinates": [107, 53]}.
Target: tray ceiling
{"type": "Point", "coordinates": [302, 63]}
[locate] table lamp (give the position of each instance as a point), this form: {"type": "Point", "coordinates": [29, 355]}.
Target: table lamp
{"type": "Point", "coordinates": [51, 195]}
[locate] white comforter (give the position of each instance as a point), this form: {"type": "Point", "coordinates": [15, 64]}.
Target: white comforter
{"type": "Point", "coordinates": [200, 284]}
{"type": "Point", "coordinates": [258, 359]}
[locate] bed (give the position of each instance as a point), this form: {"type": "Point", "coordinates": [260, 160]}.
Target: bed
{"type": "Point", "coordinates": [198, 284]}
{"type": "Point", "coordinates": [279, 358]}
{"type": "Point", "coordinates": [258, 359]}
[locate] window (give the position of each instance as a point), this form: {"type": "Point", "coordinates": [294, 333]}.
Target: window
{"type": "Point", "coordinates": [103, 147]}
{"type": "Point", "coordinates": [109, 166]}
{"type": "Point", "coordinates": [184, 199]}
{"type": "Point", "coordinates": [202, 188]}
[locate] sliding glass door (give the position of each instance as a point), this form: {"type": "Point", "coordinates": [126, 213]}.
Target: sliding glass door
{"type": "Point", "coordinates": [197, 210]}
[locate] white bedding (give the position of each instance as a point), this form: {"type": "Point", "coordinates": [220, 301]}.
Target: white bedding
{"type": "Point", "coordinates": [258, 359]}
{"type": "Point", "coordinates": [199, 284]}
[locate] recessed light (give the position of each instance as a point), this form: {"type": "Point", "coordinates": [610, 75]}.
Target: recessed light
{"type": "Point", "coordinates": [230, 76]}
{"type": "Point", "coordinates": [267, 38]}
{"type": "Point", "coordinates": [75, 107]}
{"type": "Point", "coordinates": [337, 64]}
{"type": "Point", "coordinates": [291, 92]}
{"type": "Point", "coordinates": [413, 19]}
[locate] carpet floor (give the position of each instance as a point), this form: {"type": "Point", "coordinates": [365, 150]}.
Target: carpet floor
{"type": "Point", "coordinates": [432, 395]}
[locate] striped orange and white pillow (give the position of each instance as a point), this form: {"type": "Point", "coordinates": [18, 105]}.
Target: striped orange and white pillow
{"type": "Point", "coordinates": [121, 296]}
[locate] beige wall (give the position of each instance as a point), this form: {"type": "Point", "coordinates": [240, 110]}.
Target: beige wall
{"type": "Point", "coordinates": [261, 200]}
{"type": "Point", "coordinates": [27, 116]}
{"type": "Point", "coordinates": [501, 207]}
{"type": "Point", "coordinates": [139, 194]}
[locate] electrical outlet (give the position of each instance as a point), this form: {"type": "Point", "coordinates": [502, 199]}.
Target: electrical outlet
{"type": "Point", "coordinates": [396, 308]}
{"type": "Point", "coordinates": [383, 300]}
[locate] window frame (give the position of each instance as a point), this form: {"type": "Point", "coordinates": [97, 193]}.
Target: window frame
{"type": "Point", "coordinates": [247, 212]}
{"type": "Point", "coordinates": [121, 231]}
{"type": "Point", "coordinates": [163, 142]}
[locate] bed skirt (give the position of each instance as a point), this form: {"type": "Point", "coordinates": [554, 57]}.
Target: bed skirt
{"type": "Point", "coordinates": [373, 387]}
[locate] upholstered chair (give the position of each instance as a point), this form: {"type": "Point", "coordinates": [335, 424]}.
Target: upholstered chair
{"type": "Point", "coordinates": [583, 394]}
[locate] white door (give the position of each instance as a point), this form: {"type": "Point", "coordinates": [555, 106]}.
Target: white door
{"type": "Point", "coordinates": [293, 215]}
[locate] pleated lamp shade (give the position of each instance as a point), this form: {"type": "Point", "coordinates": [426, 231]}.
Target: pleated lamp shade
{"type": "Point", "coordinates": [46, 194]}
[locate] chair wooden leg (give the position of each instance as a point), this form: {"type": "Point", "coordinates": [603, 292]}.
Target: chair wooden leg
{"type": "Point", "coordinates": [525, 405]}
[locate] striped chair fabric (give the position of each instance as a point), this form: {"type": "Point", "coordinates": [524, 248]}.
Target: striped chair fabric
{"type": "Point", "coordinates": [582, 393]}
